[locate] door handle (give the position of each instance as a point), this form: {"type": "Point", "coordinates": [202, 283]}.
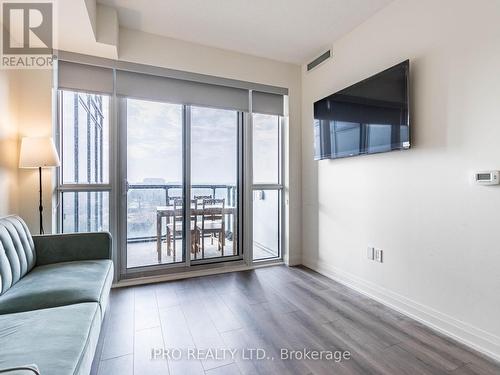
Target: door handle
{"type": "Point", "coordinates": [125, 187]}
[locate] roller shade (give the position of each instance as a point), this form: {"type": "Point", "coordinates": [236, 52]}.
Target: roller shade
{"type": "Point", "coordinates": [92, 74]}
{"type": "Point", "coordinates": [80, 77]}
{"type": "Point", "coordinates": [270, 104]}
{"type": "Point", "coordinates": [171, 90]}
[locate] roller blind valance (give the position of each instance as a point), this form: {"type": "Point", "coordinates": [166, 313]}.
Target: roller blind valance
{"type": "Point", "coordinates": [171, 90]}
{"type": "Point", "coordinates": [81, 77]}
{"type": "Point", "coordinates": [267, 103]}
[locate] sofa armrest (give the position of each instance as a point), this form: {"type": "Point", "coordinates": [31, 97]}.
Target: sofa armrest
{"type": "Point", "coordinates": [54, 248]}
{"type": "Point", "coordinates": [21, 370]}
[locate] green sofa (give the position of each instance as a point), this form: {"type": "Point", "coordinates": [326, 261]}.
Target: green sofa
{"type": "Point", "coordinates": [54, 290]}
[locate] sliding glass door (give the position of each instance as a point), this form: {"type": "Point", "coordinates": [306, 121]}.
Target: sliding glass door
{"type": "Point", "coordinates": [215, 180]}
{"type": "Point", "coordinates": [164, 144]}
{"type": "Point", "coordinates": [183, 167]}
{"type": "Point", "coordinates": [154, 167]}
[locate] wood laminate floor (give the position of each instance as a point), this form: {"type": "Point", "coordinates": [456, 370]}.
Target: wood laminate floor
{"type": "Point", "coordinates": [270, 309]}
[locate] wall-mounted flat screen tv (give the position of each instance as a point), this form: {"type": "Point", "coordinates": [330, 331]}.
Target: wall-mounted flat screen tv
{"type": "Point", "coordinates": [368, 117]}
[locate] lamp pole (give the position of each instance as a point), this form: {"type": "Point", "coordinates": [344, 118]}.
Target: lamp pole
{"type": "Point", "coordinates": [38, 152]}
{"type": "Point", "coordinates": [40, 206]}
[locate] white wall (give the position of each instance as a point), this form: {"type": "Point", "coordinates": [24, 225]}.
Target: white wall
{"type": "Point", "coordinates": [440, 233]}
{"type": "Point", "coordinates": [25, 110]}
{"type": "Point", "coordinates": [34, 103]}
{"type": "Point", "coordinates": [8, 145]}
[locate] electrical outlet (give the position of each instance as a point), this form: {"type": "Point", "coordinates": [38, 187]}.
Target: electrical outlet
{"type": "Point", "coordinates": [379, 255]}
{"type": "Point", "coordinates": [370, 253]}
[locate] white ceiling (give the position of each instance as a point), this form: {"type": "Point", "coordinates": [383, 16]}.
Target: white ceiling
{"type": "Point", "coordinates": [285, 30]}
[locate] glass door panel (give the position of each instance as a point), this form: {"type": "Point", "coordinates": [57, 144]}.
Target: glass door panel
{"type": "Point", "coordinates": [154, 178]}
{"type": "Point", "coordinates": [266, 149]}
{"type": "Point", "coordinates": [266, 224]}
{"type": "Point", "coordinates": [267, 188]}
{"type": "Point", "coordinates": [214, 183]}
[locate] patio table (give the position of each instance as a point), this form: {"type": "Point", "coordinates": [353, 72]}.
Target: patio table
{"type": "Point", "coordinates": [168, 212]}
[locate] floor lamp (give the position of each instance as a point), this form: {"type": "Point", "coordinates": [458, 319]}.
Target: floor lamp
{"type": "Point", "coordinates": [38, 153]}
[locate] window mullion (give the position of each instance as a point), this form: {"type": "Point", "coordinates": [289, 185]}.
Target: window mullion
{"type": "Point", "coordinates": [186, 126]}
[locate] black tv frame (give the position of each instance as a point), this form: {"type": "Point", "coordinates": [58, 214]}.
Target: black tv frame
{"type": "Point", "coordinates": [407, 64]}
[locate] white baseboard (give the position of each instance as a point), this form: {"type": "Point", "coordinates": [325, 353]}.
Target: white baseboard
{"type": "Point", "coordinates": [192, 273]}
{"type": "Point", "coordinates": [476, 338]}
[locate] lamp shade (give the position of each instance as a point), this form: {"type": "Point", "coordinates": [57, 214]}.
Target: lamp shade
{"type": "Point", "coordinates": [38, 152]}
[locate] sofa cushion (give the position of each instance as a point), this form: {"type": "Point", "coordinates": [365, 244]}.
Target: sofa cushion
{"type": "Point", "coordinates": [17, 251]}
{"type": "Point", "coordinates": [60, 340]}
{"type": "Point", "coordinates": [60, 284]}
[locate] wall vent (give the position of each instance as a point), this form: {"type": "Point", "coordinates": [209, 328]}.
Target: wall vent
{"type": "Point", "coordinates": [317, 61]}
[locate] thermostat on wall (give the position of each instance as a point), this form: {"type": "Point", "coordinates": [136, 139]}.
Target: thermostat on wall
{"type": "Point", "coordinates": [487, 178]}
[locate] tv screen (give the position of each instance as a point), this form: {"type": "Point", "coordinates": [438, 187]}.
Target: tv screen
{"type": "Point", "coordinates": [368, 117]}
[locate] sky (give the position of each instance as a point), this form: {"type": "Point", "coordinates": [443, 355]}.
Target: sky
{"type": "Point", "coordinates": [154, 142]}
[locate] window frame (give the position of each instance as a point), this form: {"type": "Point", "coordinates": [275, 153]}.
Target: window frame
{"type": "Point", "coordinates": [115, 185]}
{"type": "Point", "coordinates": [279, 187]}
{"type": "Point", "coordinates": [188, 263]}
{"type": "Point", "coordinates": [240, 123]}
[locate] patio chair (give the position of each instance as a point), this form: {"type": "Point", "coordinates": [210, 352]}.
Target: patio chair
{"type": "Point", "coordinates": [213, 223]}
{"type": "Point", "coordinates": [175, 227]}
{"type": "Point", "coordinates": [201, 197]}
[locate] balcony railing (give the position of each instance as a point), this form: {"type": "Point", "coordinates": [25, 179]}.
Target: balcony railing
{"type": "Point", "coordinates": [144, 198]}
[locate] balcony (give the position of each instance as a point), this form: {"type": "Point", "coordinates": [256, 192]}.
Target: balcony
{"type": "Point", "coordinates": [142, 246]}
{"type": "Point", "coordinates": [88, 211]}
{"type": "Point", "coordinates": [142, 220]}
